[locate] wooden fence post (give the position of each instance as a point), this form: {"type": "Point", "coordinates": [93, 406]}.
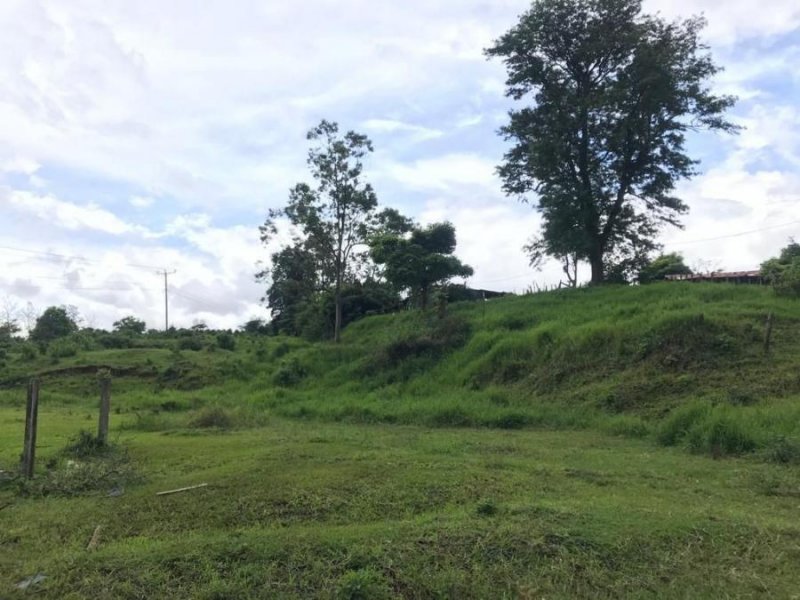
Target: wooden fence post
{"type": "Point", "coordinates": [768, 334]}
{"type": "Point", "coordinates": [105, 406]}
{"type": "Point", "coordinates": [31, 418]}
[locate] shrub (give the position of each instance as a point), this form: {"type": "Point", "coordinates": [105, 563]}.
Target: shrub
{"type": "Point", "coordinates": [784, 451]}
{"type": "Point", "coordinates": [721, 435]}
{"type": "Point", "coordinates": [190, 343]}
{"type": "Point", "coordinates": [680, 421]}
{"type": "Point", "coordinates": [290, 372]}
{"type": "Point", "coordinates": [212, 417]}
{"type": "Point", "coordinates": [84, 445]}
{"type": "Point", "coordinates": [28, 351]}
{"type": "Point", "coordinates": [226, 341]}
{"type": "Point", "coordinates": [62, 348]}
{"type": "Point", "coordinates": [363, 584]}
{"type": "Point", "coordinates": [114, 341]}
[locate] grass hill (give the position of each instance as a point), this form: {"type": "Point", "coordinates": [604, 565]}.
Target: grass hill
{"type": "Point", "coordinates": [556, 445]}
{"type": "Point", "coordinates": [673, 361]}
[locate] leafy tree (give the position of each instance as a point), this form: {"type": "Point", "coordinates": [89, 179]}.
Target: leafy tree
{"type": "Point", "coordinates": [602, 145]}
{"type": "Point", "coordinates": [661, 266]}
{"type": "Point", "coordinates": [55, 322]}
{"type": "Point", "coordinates": [256, 326]}
{"type": "Point", "coordinates": [783, 272]}
{"type": "Point", "coordinates": [334, 217]}
{"type": "Point", "coordinates": [420, 260]}
{"type": "Point", "coordinates": [130, 326]}
{"type": "Point", "coordinates": [295, 277]}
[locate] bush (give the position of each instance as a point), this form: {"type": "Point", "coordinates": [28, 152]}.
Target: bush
{"type": "Point", "coordinates": [721, 435]}
{"type": "Point", "coordinates": [28, 351]}
{"type": "Point", "coordinates": [364, 584]}
{"type": "Point", "coordinates": [212, 417]}
{"type": "Point", "coordinates": [784, 451]}
{"type": "Point", "coordinates": [114, 341]}
{"type": "Point", "coordinates": [190, 343]}
{"type": "Point", "coordinates": [84, 445]}
{"type": "Point", "coordinates": [680, 421]}
{"type": "Point", "coordinates": [226, 341]}
{"type": "Point", "coordinates": [290, 372]}
{"type": "Point", "coordinates": [62, 348]}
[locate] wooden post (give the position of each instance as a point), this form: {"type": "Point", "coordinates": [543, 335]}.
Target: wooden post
{"type": "Point", "coordinates": [105, 407]}
{"type": "Point", "coordinates": [31, 417]}
{"type": "Point", "coordinates": [768, 334]}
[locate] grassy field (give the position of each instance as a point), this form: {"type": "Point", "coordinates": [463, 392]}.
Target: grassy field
{"type": "Point", "coordinates": [611, 442]}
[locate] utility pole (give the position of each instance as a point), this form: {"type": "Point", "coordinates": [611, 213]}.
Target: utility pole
{"type": "Point", "coordinates": [166, 275]}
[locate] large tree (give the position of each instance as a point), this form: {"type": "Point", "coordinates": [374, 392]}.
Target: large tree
{"type": "Point", "coordinates": [612, 94]}
{"type": "Point", "coordinates": [334, 215]}
{"type": "Point", "coordinates": [420, 259]}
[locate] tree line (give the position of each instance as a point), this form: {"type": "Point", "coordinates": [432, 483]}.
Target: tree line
{"type": "Point", "coordinates": [607, 94]}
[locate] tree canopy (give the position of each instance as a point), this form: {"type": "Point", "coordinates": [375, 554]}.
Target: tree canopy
{"type": "Point", "coordinates": [130, 325]}
{"type": "Point", "coordinates": [333, 216]}
{"type": "Point", "coordinates": [783, 271]}
{"type": "Point", "coordinates": [55, 322]}
{"type": "Point", "coordinates": [419, 260]}
{"type": "Point", "coordinates": [661, 266]}
{"type": "Point", "coordinates": [613, 93]}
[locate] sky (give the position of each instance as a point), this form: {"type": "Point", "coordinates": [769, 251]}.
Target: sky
{"type": "Point", "coordinates": [137, 137]}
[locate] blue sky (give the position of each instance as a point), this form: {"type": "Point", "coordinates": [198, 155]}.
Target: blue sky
{"type": "Point", "coordinates": [158, 135]}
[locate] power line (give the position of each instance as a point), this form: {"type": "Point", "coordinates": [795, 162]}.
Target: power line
{"type": "Point", "coordinates": [734, 235]}
{"type": "Point", "coordinates": [71, 257]}
{"type": "Point", "coordinates": [713, 239]}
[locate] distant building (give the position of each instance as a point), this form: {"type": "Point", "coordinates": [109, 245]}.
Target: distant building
{"type": "Point", "coordinates": [748, 277]}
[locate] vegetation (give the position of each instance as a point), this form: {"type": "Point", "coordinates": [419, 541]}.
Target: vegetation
{"type": "Point", "coordinates": [334, 217]}
{"type": "Point", "coordinates": [661, 266]}
{"type": "Point", "coordinates": [783, 272]}
{"type": "Point", "coordinates": [614, 93]}
{"type": "Point", "coordinates": [420, 260]}
{"type": "Point", "coordinates": [55, 322]}
{"type": "Point", "coordinates": [568, 427]}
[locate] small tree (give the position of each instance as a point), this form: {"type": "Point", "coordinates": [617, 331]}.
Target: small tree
{"type": "Point", "coordinates": [660, 267]}
{"type": "Point", "coordinates": [334, 217]}
{"type": "Point", "coordinates": [130, 326]}
{"type": "Point", "coordinates": [421, 260]}
{"type": "Point", "coordinates": [783, 272]}
{"type": "Point", "coordinates": [55, 322]}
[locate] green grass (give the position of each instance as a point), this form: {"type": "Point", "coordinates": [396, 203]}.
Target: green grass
{"type": "Point", "coordinates": [613, 442]}
{"type": "Point", "coordinates": [301, 510]}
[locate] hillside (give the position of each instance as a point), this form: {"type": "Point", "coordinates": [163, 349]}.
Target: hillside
{"type": "Point", "coordinates": [625, 360]}
{"type": "Point", "coordinates": [387, 466]}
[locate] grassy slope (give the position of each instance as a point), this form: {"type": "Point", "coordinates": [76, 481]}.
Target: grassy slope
{"type": "Point", "coordinates": [332, 502]}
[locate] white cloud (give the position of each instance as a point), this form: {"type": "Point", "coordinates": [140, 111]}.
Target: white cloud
{"type": "Point", "coordinates": [418, 132]}
{"type": "Point", "coordinates": [142, 201]}
{"type": "Point", "coordinates": [65, 214]}
{"type": "Point", "coordinates": [444, 172]}
{"type": "Point", "coordinates": [157, 134]}
{"type": "Point", "coordinates": [733, 20]}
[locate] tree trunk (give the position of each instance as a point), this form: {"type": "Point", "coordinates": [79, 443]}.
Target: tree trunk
{"type": "Point", "coordinates": [423, 298]}
{"type": "Point", "coordinates": [596, 260]}
{"type": "Point", "coordinates": [337, 326]}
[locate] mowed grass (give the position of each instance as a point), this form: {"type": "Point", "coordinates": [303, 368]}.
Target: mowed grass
{"type": "Point", "coordinates": [300, 510]}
